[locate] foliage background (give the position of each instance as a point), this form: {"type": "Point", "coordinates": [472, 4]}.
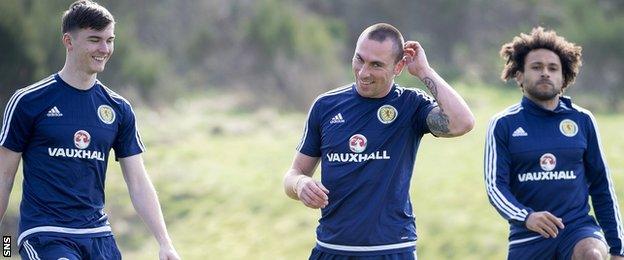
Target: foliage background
{"type": "Point", "coordinates": [285, 51]}
{"type": "Point", "coordinates": [221, 89]}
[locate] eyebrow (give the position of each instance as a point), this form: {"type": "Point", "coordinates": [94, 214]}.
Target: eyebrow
{"type": "Point", "coordinates": [540, 63]}
{"type": "Point", "coordinates": [98, 37]}
{"type": "Point", "coordinates": [373, 61]}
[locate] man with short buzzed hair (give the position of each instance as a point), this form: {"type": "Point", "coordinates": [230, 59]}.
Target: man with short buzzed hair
{"type": "Point", "coordinates": [366, 135]}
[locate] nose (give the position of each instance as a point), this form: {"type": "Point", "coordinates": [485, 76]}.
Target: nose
{"type": "Point", "coordinates": [545, 74]}
{"type": "Point", "coordinates": [104, 47]}
{"type": "Point", "coordinates": [363, 72]}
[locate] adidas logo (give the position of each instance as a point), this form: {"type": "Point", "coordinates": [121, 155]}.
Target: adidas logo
{"type": "Point", "coordinates": [519, 132]}
{"type": "Point", "coordinates": [54, 112]}
{"type": "Point", "coordinates": [337, 119]}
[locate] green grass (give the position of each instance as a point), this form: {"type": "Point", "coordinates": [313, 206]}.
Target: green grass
{"type": "Point", "coordinates": [218, 171]}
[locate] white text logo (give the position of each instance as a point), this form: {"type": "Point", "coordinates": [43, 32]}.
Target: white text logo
{"type": "Point", "coordinates": [357, 157]}
{"type": "Point", "coordinates": [75, 153]}
{"type": "Point", "coordinates": [545, 176]}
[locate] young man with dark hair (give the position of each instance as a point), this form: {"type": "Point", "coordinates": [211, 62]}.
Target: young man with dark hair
{"type": "Point", "coordinates": [543, 159]}
{"type": "Point", "coordinates": [64, 127]}
{"type": "Point", "coordinates": [366, 135]}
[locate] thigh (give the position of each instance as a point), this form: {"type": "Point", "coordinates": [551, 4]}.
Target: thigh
{"type": "Point", "coordinates": [104, 248]}
{"type": "Point", "coordinates": [44, 247]}
{"type": "Point", "coordinates": [539, 249]}
{"type": "Point", "coordinates": [588, 236]}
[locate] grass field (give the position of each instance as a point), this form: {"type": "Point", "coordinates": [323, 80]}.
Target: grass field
{"type": "Point", "coordinates": [218, 170]}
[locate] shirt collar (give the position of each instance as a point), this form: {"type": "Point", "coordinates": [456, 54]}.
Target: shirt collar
{"type": "Point", "coordinates": [564, 106]}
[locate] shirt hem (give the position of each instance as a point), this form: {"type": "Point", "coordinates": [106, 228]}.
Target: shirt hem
{"type": "Point", "coordinates": [95, 232]}
{"type": "Point", "coordinates": [409, 246]}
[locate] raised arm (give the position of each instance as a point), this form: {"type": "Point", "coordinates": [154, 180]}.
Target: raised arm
{"type": "Point", "coordinates": [145, 201]}
{"type": "Point", "coordinates": [9, 161]}
{"type": "Point", "coordinates": [452, 117]}
{"type": "Point", "coordinates": [299, 185]}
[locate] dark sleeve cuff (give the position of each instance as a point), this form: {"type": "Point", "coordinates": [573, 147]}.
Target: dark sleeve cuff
{"type": "Point", "coordinates": [12, 148]}
{"type": "Point", "coordinates": [615, 251]}
{"type": "Point", "coordinates": [523, 223]}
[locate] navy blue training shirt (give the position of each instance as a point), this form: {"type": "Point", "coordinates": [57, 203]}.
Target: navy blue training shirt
{"type": "Point", "coordinates": [541, 160]}
{"type": "Point", "coordinates": [367, 149]}
{"type": "Point", "coordinates": [65, 136]}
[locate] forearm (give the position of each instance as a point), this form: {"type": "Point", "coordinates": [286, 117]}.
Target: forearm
{"type": "Point", "coordinates": [291, 179]}
{"type": "Point", "coordinates": [610, 220]}
{"type": "Point", "coordinates": [497, 165]}
{"type": "Point", "coordinates": [145, 202]}
{"type": "Point", "coordinates": [506, 204]}
{"type": "Point", "coordinates": [6, 184]}
{"type": "Point", "coordinates": [9, 162]}
{"type": "Point", "coordinates": [454, 111]}
{"type": "Point", "coordinates": [303, 166]}
{"type": "Point", "coordinates": [5, 192]}
{"type": "Point", "coordinates": [604, 199]}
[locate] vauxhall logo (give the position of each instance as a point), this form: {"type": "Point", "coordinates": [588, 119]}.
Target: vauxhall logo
{"type": "Point", "coordinates": [357, 144]}
{"type": "Point", "coordinates": [82, 140]}
{"type": "Point", "coordinates": [548, 162]}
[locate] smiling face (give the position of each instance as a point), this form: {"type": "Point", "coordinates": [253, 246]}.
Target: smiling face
{"type": "Point", "coordinates": [88, 50]}
{"type": "Point", "coordinates": [374, 67]}
{"type": "Point", "coordinates": [542, 78]}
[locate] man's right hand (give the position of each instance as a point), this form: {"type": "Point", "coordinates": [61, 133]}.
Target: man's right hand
{"type": "Point", "coordinates": [544, 223]}
{"type": "Point", "coordinates": [312, 193]}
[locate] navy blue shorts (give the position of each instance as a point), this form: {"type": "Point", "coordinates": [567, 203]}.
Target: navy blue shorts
{"type": "Point", "coordinates": [320, 255]}
{"type": "Point", "coordinates": [560, 247]}
{"type": "Point", "coordinates": [69, 248]}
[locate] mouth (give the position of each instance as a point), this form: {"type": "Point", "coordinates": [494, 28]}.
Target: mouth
{"type": "Point", "coordinates": [545, 82]}
{"type": "Point", "coordinates": [99, 58]}
{"type": "Point", "coordinates": [366, 83]}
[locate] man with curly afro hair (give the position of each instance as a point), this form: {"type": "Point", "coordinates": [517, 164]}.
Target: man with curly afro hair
{"type": "Point", "coordinates": [544, 160]}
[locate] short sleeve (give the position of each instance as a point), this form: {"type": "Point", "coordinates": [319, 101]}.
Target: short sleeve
{"type": "Point", "coordinates": [16, 125]}
{"type": "Point", "coordinates": [310, 143]}
{"type": "Point", "coordinates": [424, 104]}
{"type": "Point", "coordinates": [128, 141]}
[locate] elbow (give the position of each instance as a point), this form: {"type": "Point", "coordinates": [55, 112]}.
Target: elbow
{"type": "Point", "coordinates": [464, 125]}
{"type": "Point", "coordinates": [469, 123]}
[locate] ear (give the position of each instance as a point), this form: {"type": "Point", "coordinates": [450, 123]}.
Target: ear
{"type": "Point", "coordinates": [67, 41]}
{"type": "Point", "coordinates": [399, 67]}
{"type": "Point", "coordinates": [519, 77]}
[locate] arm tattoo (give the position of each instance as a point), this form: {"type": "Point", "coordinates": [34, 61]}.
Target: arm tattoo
{"type": "Point", "coordinates": [437, 120]}
{"type": "Point", "coordinates": [431, 86]}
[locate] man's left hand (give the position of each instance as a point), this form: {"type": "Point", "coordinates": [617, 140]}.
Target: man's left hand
{"type": "Point", "coordinates": [415, 59]}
